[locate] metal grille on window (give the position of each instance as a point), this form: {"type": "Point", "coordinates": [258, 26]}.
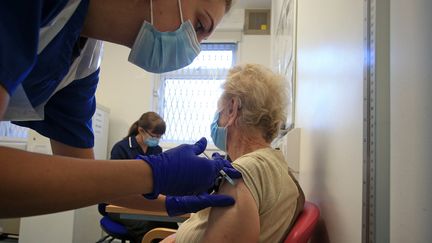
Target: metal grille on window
{"type": "Point", "coordinates": [10, 130]}
{"type": "Point", "coordinates": [187, 98]}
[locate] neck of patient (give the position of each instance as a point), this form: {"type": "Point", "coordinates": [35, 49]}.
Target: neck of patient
{"type": "Point", "coordinates": [240, 143]}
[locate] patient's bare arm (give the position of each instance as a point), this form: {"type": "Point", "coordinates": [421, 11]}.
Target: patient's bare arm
{"type": "Point", "coordinates": [238, 223]}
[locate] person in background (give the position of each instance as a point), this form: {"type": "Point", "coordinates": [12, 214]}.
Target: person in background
{"type": "Point", "coordinates": [50, 52]}
{"type": "Point", "coordinates": [142, 139]}
{"type": "Point", "coordinates": [250, 112]}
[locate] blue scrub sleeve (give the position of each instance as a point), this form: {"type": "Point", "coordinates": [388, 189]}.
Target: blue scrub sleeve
{"type": "Point", "coordinates": [20, 22]}
{"type": "Point", "coordinates": [68, 114]}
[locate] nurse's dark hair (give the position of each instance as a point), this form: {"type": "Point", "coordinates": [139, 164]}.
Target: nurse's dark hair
{"type": "Point", "coordinates": [149, 121]}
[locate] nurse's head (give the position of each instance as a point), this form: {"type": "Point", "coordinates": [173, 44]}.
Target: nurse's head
{"type": "Point", "coordinates": [148, 129]}
{"type": "Point", "coordinates": [170, 40]}
{"type": "Point", "coordinates": [163, 35]}
{"type": "Point", "coordinates": [204, 15]}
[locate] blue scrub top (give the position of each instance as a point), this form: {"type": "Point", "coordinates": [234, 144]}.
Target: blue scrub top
{"type": "Point", "coordinates": [69, 111]}
{"type": "Point", "coordinates": [124, 150]}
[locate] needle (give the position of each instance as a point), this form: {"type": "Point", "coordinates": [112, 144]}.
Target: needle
{"type": "Point", "coordinates": [231, 181]}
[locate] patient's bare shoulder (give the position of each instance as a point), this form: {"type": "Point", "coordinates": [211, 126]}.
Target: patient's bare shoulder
{"type": "Point", "coordinates": [237, 223]}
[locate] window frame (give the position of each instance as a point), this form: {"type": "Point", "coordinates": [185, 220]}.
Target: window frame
{"type": "Point", "coordinates": [159, 80]}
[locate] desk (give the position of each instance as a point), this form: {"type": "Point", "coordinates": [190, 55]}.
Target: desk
{"type": "Point", "coordinates": [136, 214]}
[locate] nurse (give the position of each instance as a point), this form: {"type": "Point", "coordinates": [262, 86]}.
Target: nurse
{"type": "Point", "coordinates": [142, 138]}
{"type": "Point", "coordinates": [49, 65]}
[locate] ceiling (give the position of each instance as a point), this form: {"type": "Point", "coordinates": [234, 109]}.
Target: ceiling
{"type": "Point", "coordinates": [250, 4]}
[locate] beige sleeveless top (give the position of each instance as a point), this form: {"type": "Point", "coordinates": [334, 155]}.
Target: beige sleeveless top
{"type": "Point", "coordinates": [277, 195]}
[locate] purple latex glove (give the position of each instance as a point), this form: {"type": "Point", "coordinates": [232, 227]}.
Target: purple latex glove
{"type": "Point", "coordinates": [217, 155]}
{"type": "Point", "coordinates": [180, 171]}
{"type": "Point", "coordinates": [191, 204]}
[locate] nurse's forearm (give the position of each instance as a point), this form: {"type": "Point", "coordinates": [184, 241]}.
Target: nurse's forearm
{"type": "Point", "coordinates": [32, 184]}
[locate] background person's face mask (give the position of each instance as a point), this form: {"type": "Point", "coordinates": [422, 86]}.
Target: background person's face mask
{"type": "Point", "coordinates": [159, 52]}
{"type": "Point", "coordinates": [152, 142]}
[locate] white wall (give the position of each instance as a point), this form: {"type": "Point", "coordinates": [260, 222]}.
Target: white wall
{"type": "Point", "coordinates": [127, 90]}
{"type": "Point", "coordinates": [74, 226]}
{"type": "Point", "coordinates": [411, 121]}
{"type": "Point", "coordinates": [329, 111]}
{"type": "Point", "coordinates": [255, 49]}
{"type": "Point", "coordinates": [124, 88]}
{"type": "Point", "coordinates": [50, 228]}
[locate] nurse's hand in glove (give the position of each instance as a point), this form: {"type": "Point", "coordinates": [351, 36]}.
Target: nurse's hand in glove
{"type": "Point", "coordinates": [180, 171]}
{"type": "Point", "coordinates": [190, 204]}
{"type": "Point", "coordinates": [217, 155]}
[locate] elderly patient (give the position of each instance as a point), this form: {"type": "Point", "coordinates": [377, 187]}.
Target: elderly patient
{"type": "Point", "coordinates": [268, 198]}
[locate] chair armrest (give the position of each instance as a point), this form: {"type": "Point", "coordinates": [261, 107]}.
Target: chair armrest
{"type": "Point", "coordinates": [157, 233]}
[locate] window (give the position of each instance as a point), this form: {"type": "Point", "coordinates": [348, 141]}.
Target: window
{"type": "Point", "coordinates": [10, 130]}
{"type": "Point", "coordinates": [187, 98]}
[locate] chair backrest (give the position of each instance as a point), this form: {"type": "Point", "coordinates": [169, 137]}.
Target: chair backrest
{"type": "Point", "coordinates": [102, 209]}
{"type": "Point", "coordinates": [304, 225]}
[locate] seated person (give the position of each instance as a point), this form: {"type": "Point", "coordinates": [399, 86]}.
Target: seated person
{"type": "Point", "coordinates": [268, 198]}
{"type": "Point", "coordinates": [142, 139]}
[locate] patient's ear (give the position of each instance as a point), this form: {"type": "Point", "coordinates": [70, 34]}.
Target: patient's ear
{"type": "Point", "coordinates": [233, 108]}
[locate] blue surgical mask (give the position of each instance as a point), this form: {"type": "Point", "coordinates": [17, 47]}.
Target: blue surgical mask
{"type": "Point", "coordinates": [218, 134]}
{"type": "Point", "coordinates": [160, 52]}
{"type": "Point", "coordinates": [152, 142]}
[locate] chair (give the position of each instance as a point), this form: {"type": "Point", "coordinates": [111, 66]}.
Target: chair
{"type": "Point", "coordinates": [301, 231]}
{"type": "Point", "coordinates": [304, 225]}
{"type": "Point", "coordinates": [157, 234]}
{"type": "Point", "coordinates": [112, 228]}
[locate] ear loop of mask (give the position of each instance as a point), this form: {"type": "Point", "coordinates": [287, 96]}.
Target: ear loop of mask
{"type": "Point", "coordinates": [226, 127]}
{"type": "Point", "coordinates": [142, 136]}
{"type": "Point", "coordinates": [226, 140]}
{"type": "Point", "coordinates": [180, 10]}
{"type": "Point", "coordinates": [226, 137]}
{"type": "Point", "coordinates": [151, 12]}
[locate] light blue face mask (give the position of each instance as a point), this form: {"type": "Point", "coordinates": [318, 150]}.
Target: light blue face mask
{"type": "Point", "coordinates": [159, 52]}
{"type": "Point", "coordinates": [152, 142]}
{"type": "Point", "coordinates": [218, 134]}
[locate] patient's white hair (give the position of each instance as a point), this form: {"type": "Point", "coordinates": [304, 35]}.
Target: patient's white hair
{"type": "Point", "coordinates": [262, 95]}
